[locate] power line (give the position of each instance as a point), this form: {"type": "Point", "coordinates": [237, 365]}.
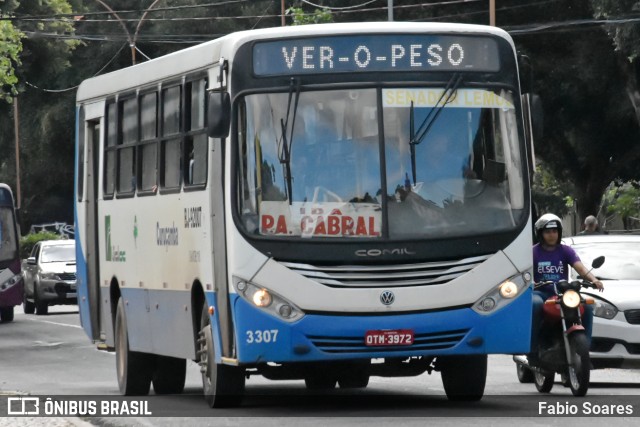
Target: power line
{"type": "Point", "coordinates": [76, 86]}
{"type": "Point", "coordinates": [319, 6]}
{"type": "Point", "coordinates": [47, 18]}
{"type": "Point", "coordinates": [159, 9]}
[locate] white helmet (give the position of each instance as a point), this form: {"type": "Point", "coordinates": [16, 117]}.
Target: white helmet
{"type": "Point", "coordinates": [548, 220]}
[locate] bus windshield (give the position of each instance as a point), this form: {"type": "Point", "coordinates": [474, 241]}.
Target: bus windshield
{"type": "Point", "coordinates": [8, 240]}
{"type": "Point", "coordinates": [350, 161]}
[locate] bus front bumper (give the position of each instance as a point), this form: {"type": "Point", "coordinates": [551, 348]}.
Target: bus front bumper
{"type": "Point", "coordinates": [261, 337]}
{"type": "Point", "coordinates": [11, 295]}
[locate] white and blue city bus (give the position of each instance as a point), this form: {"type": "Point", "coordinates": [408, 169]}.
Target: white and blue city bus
{"type": "Point", "coordinates": [323, 202]}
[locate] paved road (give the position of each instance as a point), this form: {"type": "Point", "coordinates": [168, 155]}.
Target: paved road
{"type": "Point", "coordinates": [50, 355]}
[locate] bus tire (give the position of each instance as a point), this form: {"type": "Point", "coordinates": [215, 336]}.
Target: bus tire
{"type": "Point", "coordinates": [169, 375]}
{"type": "Point", "coordinates": [464, 377]}
{"type": "Point", "coordinates": [222, 385]}
{"type": "Point", "coordinates": [134, 369]}
{"type": "Point", "coordinates": [355, 375]}
{"type": "Point", "coordinates": [6, 314]}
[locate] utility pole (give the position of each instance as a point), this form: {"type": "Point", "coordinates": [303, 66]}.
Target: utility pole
{"type": "Point", "coordinates": [390, 10]}
{"type": "Point", "coordinates": [16, 125]}
{"type": "Point", "coordinates": [492, 13]}
{"type": "Point", "coordinates": [282, 21]}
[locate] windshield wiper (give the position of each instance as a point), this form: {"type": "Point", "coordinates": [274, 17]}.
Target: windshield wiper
{"type": "Point", "coordinates": [416, 137]}
{"type": "Point", "coordinates": [284, 154]}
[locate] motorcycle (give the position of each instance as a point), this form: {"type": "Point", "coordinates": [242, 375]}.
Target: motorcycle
{"type": "Point", "coordinates": [564, 345]}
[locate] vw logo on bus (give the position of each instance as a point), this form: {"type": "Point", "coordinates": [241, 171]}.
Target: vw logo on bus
{"type": "Point", "coordinates": [387, 297]}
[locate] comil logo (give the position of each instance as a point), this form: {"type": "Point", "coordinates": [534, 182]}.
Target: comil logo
{"type": "Point", "coordinates": [23, 406]}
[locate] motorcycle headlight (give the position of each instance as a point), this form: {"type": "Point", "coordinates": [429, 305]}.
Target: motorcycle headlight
{"type": "Point", "coordinates": [571, 299]}
{"type": "Point", "coordinates": [604, 309]}
{"type": "Point", "coordinates": [267, 300]}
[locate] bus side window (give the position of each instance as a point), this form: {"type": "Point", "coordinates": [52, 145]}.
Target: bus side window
{"type": "Point", "coordinates": [126, 148]}
{"type": "Point", "coordinates": [111, 138]}
{"type": "Point", "coordinates": [171, 140]}
{"type": "Point", "coordinates": [195, 153]}
{"type": "Point", "coordinates": [148, 150]}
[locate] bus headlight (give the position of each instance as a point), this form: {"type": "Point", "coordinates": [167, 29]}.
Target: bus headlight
{"type": "Point", "coordinates": [262, 298]}
{"type": "Point", "coordinates": [502, 294]}
{"type": "Point", "coordinates": [267, 300]}
{"type": "Point", "coordinates": [11, 281]}
{"type": "Point", "coordinates": [508, 290]}
{"type": "Point", "coordinates": [571, 299]}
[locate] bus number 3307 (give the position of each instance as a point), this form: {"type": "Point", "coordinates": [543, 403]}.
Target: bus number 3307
{"type": "Point", "coordinates": [262, 336]}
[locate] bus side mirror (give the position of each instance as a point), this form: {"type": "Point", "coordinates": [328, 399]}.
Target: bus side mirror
{"type": "Point", "coordinates": [218, 114]}
{"type": "Point", "coordinates": [537, 117]}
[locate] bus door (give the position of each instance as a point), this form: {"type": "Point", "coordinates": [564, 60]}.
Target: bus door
{"type": "Point", "coordinates": [87, 247]}
{"type": "Point", "coordinates": [218, 83]}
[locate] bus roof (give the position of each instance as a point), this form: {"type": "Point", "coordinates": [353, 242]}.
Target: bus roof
{"type": "Point", "coordinates": [205, 55]}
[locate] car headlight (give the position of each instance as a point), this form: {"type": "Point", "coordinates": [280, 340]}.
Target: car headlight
{"type": "Point", "coordinates": [267, 300]}
{"type": "Point", "coordinates": [571, 299]}
{"type": "Point", "coordinates": [604, 309]}
{"type": "Point", "coordinates": [49, 276]}
{"type": "Point", "coordinates": [502, 294]}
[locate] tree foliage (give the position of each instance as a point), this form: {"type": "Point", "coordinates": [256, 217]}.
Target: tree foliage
{"type": "Point", "coordinates": [624, 201]}
{"type": "Point", "coordinates": [45, 118]}
{"type": "Point", "coordinates": [319, 16]}
{"type": "Point", "coordinates": [10, 48]}
{"type": "Point", "coordinates": [586, 76]}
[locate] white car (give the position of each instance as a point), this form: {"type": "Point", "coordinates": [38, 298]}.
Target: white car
{"type": "Point", "coordinates": [616, 323]}
{"type": "Point", "coordinates": [49, 275]}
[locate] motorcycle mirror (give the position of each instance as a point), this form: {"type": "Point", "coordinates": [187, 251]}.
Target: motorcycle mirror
{"type": "Point", "coordinates": [597, 263]}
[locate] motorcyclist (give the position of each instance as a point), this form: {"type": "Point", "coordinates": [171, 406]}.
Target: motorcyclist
{"type": "Point", "coordinates": [551, 261]}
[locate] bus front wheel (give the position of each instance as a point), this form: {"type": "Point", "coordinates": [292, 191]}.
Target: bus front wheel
{"type": "Point", "coordinates": [6, 314]}
{"type": "Point", "coordinates": [134, 369]}
{"type": "Point", "coordinates": [223, 385]}
{"type": "Point", "coordinates": [464, 377]}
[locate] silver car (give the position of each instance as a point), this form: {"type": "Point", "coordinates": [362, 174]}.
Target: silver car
{"type": "Point", "coordinates": [50, 276]}
{"type": "Point", "coordinates": [616, 322]}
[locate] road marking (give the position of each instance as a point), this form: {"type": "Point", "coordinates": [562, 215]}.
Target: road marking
{"type": "Point", "coordinates": [55, 323]}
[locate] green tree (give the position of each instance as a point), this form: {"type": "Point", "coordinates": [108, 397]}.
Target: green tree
{"type": "Point", "coordinates": [10, 48]}
{"type": "Point", "coordinates": [46, 149]}
{"type": "Point", "coordinates": [624, 200]}
{"type": "Point", "coordinates": [626, 38]}
{"type": "Point", "coordinates": [591, 134]}
{"type": "Point", "coordinates": [300, 17]}
{"type": "Point", "coordinates": [549, 194]}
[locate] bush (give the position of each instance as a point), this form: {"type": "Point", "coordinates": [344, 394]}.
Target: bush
{"type": "Point", "coordinates": [28, 242]}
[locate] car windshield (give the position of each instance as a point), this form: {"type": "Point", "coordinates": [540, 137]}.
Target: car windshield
{"type": "Point", "coordinates": [622, 259]}
{"type": "Point", "coordinates": [320, 163]}
{"type": "Point", "coordinates": [66, 253]}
